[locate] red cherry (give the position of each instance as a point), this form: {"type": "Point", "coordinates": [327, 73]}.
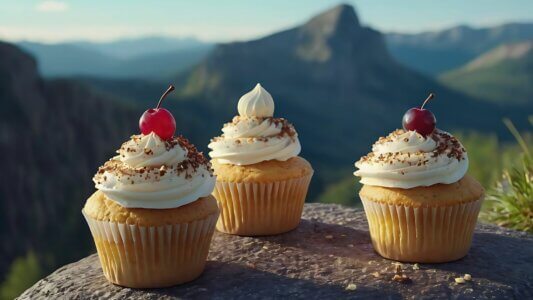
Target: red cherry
{"type": "Point", "coordinates": [419, 119]}
{"type": "Point", "coordinates": [159, 120]}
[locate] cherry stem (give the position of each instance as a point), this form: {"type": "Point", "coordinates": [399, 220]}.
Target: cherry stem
{"type": "Point", "coordinates": [431, 96]}
{"type": "Point", "coordinates": [168, 91]}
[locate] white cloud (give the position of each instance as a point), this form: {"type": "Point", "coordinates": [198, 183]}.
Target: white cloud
{"type": "Point", "coordinates": [51, 6]}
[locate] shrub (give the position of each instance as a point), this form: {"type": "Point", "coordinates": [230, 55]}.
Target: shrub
{"type": "Point", "coordinates": [511, 199]}
{"type": "Point", "coordinates": [23, 273]}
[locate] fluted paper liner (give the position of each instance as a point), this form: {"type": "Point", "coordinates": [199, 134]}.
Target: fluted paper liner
{"type": "Point", "coordinates": [148, 257]}
{"type": "Point", "coordinates": [253, 209]}
{"type": "Point", "coordinates": [422, 234]}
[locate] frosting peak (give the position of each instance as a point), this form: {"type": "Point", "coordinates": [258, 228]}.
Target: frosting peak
{"type": "Point", "coordinates": [256, 103]}
{"type": "Point", "coordinates": [153, 173]}
{"type": "Point", "coordinates": [406, 159]}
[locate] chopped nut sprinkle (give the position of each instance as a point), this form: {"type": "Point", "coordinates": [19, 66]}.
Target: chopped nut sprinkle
{"type": "Point", "coordinates": [351, 287]}
{"type": "Point", "coordinates": [195, 160]}
{"type": "Point", "coordinates": [400, 276]}
{"type": "Point", "coordinates": [446, 145]}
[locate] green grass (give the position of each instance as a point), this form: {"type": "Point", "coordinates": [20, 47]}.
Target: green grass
{"type": "Point", "coordinates": [510, 201]}
{"type": "Point", "coordinates": [483, 148]}
{"type": "Point", "coordinates": [343, 192]}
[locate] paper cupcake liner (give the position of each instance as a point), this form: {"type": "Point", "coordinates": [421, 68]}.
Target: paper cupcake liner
{"type": "Point", "coordinates": [422, 234]}
{"type": "Point", "coordinates": [157, 256]}
{"type": "Point", "coordinates": [252, 209]}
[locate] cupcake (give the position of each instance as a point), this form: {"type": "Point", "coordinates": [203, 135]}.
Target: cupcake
{"type": "Point", "coordinates": [152, 217]}
{"type": "Point", "coordinates": [420, 204]}
{"type": "Point", "coordinates": [261, 181]}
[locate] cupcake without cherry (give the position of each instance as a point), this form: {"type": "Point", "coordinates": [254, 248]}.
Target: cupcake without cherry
{"type": "Point", "coordinates": [261, 181]}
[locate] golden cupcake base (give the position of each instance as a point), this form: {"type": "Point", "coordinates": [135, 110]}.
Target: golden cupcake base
{"type": "Point", "coordinates": [151, 257]}
{"type": "Point", "coordinates": [422, 234]}
{"type": "Point", "coordinates": [151, 248]}
{"type": "Point", "coordinates": [261, 208]}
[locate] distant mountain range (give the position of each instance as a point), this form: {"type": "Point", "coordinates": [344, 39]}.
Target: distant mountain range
{"type": "Point", "coordinates": [140, 58]}
{"type": "Point", "coordinates": [503, 75]}
{"type": "Point", "coordinates": [431, 53]}
{"type": "Point", "coordinates": [436, 52]}
{"type": "Point", "coordinates": [143, 46]}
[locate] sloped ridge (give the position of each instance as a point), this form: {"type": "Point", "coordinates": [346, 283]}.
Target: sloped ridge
{"type": "Point", "coordinates": [502, 53]}
{"type": "Point", "coordinates": [20, 86]}
{"type": "Point", "coordinates": [436, 52]}
{"type": "Point", "coordinates": [13, 58]}
{"type": "Point", "coordinates": [54, 136]}
{"type": "Point", "coordinates": [501, 75]}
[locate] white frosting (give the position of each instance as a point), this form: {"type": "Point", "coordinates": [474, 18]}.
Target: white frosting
{"type": "Point", "coordinates": [157, 155]}
{"type": "Point", "coordinates": [152, 173]}
{"type": "Point", "coordinates": [408, 159]}
{"type": "Point", "coordinates": [249, 141]}
{"type": "Point", "coordinates": [256, 103]}
{"type": "Point", "coordinates": [255, 136]}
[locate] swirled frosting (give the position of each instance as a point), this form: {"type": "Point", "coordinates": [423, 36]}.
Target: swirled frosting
{"type": "Point", "coordinates": [156, 174]}
{"type": "Point", "coordinates": [256, 103]}
{"type": "Point", "coordinates": [406, 159]}
{"type": "Point", "coordinates": [255, 135]}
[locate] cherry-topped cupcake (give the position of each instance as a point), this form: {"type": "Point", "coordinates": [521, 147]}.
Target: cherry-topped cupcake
{"type": "Point", "coordinates": [420, 204]}
{"type": "Point", "coordinates": [153, 216]}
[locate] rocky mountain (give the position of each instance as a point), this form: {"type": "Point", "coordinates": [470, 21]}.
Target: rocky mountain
{"type": "Point", "coordinates": [53, 135]}
{"type": "Point", "coordinates": [335, 80]}
{"type": "Point", "coordinates": [439, 51]}
{"type": "Point", "coordinates": [116, 60]}
{"type": "Point", "coordinates": [503, 75]}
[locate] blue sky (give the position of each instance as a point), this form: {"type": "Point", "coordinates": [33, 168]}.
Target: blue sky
{"type": "Point", "coordinates": [227, 20]}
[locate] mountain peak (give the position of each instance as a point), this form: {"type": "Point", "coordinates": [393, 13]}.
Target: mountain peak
{"type": "Point", "coordinates": [329, 46]}
{"type": "Point", "coordinates": [339, 19]}
{"type": "Point", "coordinates": [337, 33]}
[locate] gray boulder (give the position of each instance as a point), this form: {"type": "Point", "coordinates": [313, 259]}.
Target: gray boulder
{"type": "Point", "coordinates": [328, 256]}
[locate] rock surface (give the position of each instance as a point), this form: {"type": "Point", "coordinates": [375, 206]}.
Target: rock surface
{"type": "Point", "coordinates": [328, 256]}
